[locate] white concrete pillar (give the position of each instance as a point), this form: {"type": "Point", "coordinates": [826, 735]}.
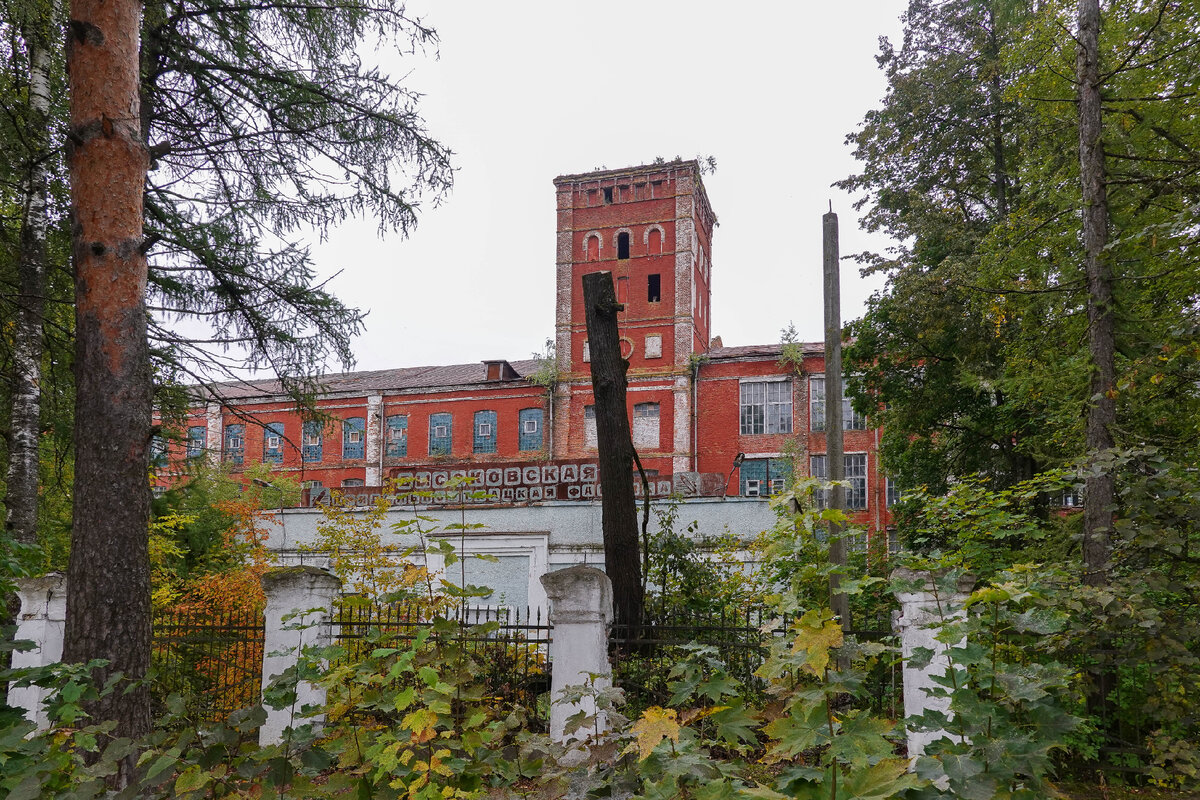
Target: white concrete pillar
{"type": "Point", "coordinates": [42, 620]}
{"type": "Point", "coordinates": [214, 436]}
{"type": "Point", "coordinates": [374, 440]}
{"type": "Point", "coordinates": [306, 595]}
{"type": "Point", "coordinates": [922, 613]}
{"type": "Point", "coordinates": [581, 609]}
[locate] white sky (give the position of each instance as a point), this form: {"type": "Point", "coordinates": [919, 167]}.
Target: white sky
{"type": "Point", "coordinates": [526, 91]}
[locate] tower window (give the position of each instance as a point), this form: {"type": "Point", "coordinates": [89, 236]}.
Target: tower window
{"type": "Point", "coordinates": [608, 192]}
{"type": "Point", "coordinates": [622, 245]}
{"type": "Point", "coordinates": [654, 288]}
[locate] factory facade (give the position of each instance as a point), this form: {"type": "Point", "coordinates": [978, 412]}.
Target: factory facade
{"type": "Point", "coordinates": [708, 421]}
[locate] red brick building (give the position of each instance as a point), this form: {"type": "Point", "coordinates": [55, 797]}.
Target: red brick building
{"type": "Point", "coordinates": [698, 410]}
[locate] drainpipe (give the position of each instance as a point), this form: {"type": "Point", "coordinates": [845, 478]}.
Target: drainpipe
{"type": "Point", "coordinates": [550, 391]}
{"type": "Point", "coordinates": [694, 419]}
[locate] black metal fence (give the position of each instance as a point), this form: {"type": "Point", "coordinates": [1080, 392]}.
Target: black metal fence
{"type": "Point", "coordinates": [213, 661]}
{"type": "Point", "coordinates": [510, 647]}
{"type": "Point", "coordinates": [642, 658]}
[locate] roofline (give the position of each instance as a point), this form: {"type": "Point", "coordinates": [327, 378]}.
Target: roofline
{"type": "Point", "coordinates": [689, 164]}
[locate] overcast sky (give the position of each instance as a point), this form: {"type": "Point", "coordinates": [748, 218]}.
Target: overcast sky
{"type": "Point", "coordinates": [527, 91]}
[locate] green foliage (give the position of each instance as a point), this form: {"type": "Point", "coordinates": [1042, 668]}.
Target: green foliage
{"type": "Point", "coordinates": [195, 521]}
{"type": "Point", "coordinates": [545, 373]}
{"type": "Point", "coordinates": [793, 559]}
{"type": "Point", "coordinates": [689, 573]}
{"type": "Point", "coordinates": [991, 529]}
{"type": "Point", "coordinates": [1007, 710]}
{"type": "Point", "coordinates": [1141, 629]}
{"type": "Point", "coordinates": [973, 358]}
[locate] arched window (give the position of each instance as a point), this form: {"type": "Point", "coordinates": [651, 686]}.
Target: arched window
{"type": "Point", "coordinates": [654, 241]}
{"type": "Point", "coordinates": [311, 441]}
{"type": "Point", "coordinates": [623, 245]}
{"type": "Point", "coordinates": [235, 443]}
{"type": "Point", "coordinates": [531, 429]}
{"type": "Point", "coordinates": [485, 432]}
{"type": "Point", "coordinates": [353, 438]}
{"type": "Point", "coordinates": [397, 436]}
{"type": "Point", "coordinates": [592, 246]}
{"type": "Point", "coordinates": [440, 437]}
{"type": "Point", "coordinates": [273, 443]}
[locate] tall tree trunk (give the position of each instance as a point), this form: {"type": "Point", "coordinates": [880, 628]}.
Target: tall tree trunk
{"type": "Point", "coordinates": [108, 590]}
{"type": "Point", "coordinates": [21, 499]}
{"type": "Point", "coordinates": [1098, 497]}
{"type": "Point", "coordinates": [615, 449]}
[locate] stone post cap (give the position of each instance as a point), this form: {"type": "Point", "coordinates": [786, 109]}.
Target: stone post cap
{"type": "Point", "coordinates": [45, 595]}
{"type": "Point", "coordinates": [923, 580]}
{"type": "Point", "coordinates": [579, 593]}
{"type": "Point", "coordinates": [300, 576]}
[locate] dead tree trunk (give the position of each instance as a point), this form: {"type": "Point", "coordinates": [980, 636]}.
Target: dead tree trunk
{"type": "Point", "coordinates": [1098, 490]}
{"type": "Point", "coordinates": [615, 449]}
{"type": "Point", "coordinates": [108, 590]}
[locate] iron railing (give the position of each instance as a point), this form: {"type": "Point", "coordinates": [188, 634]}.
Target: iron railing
{"type": "Point", "coordinates": [509, 647]}
{"type": "Point", "coordinates": [642, 658]}
{"type": "Point", "coordinates": [212, 660]}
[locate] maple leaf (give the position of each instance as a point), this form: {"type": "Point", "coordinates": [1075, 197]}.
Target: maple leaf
{"type": "Point", "coordinates": [816, 638]}
{"type": "Point", "coordinates": [654, 725]}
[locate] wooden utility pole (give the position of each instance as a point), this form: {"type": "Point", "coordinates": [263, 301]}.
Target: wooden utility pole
{"type": "Point", "coordinates": [108, 577]}
{"type": "Point", "coordinates": [835, 463]}
{"type": "Point", "coordinates": [614, 449]}
{"type": "Point", "coordinates": [1102, 411]}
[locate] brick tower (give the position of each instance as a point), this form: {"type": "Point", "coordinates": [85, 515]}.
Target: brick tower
{"type": "Point", "coordinates": [651, 227]}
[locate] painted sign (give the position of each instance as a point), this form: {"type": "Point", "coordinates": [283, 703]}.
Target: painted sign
{"type": "Point", "coordinates": [506, 484]}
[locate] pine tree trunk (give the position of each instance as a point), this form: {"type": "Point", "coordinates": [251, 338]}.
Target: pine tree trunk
{"type": "Point", "coordinates": [615, 449]}
{"type": "Point", "coordinates": [21, 499]}
{"type": "Point", "coordinates": [1098, 497]}
{"type": "Point", "coordinates": [108, 590]}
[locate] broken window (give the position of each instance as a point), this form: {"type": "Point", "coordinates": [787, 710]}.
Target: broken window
{"type": "Point", "coordinates": [654, 288]}
{"type": "Point", "coordinates": [608, 195]}
{"type": "Point", "coordinates": [352, 437]}
{"type": "Point", "coordinates": [397, 436]}
{"type": "Point", "coordinates": [235, 443]}
{"type": "Point", "coordinates": [623, 245]}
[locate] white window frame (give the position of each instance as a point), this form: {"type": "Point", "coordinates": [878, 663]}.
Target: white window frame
{"type": "Point", "coordinates": [753, 487]}
{"type": "Point", "coordinates": [816, 398]}
{"type": "Point", "coordinates": [312, 439]}
{"type": "Point", "coordinates": [353, 436]}
{"type": "Point", "coordinates": [441, 431]}
{"type": "Point", "coordinates": [274, 441]}
{"type": "Point", "coordinates": [822, 497]}
{"type": "Point", "coordinates": [530, 425]}
{"type": "Point", "coordinates": [484, 429]}
{"type": "Point", "coordinates": [774, 418]}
